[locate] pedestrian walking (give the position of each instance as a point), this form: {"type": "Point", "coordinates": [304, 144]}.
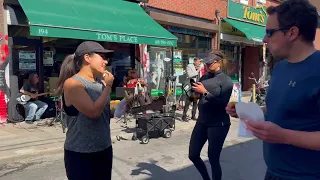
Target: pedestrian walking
{"type": "Point", "coordinates": [213, 123]}
{"type": "Point", "coordinates": [193, 75]}
{"type": "Point", "coordinates": [86, 87]}
{"type": "Point", "coordinates": [291, 132]}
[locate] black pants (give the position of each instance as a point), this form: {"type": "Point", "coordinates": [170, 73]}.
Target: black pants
{"type": "Point", "coordinates": [216, 137]}
{"type": "Point", "coordinates": [186, 108]}
{"type": "Point", "coordinates": [270, 176]}
{"type": "Point", "coordinates": [85, 166]}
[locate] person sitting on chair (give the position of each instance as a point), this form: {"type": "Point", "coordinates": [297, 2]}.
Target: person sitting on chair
{"type": "Point", "coordinates": [34, 108]}
{"type": "Point", "coordinates": [132, 82]}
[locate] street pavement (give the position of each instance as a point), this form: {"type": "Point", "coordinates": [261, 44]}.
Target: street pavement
{"type": "Point", "coordinates": [161, 159]}
{"type": "Point", "coordinates": [36, 152]}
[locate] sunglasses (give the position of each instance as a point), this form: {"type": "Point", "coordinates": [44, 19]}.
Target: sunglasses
{"type": "Point", "coordinates": [270, 32]}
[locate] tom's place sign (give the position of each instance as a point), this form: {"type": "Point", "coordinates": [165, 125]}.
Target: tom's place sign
{"type": "Point", "coordinates": [256, 15]}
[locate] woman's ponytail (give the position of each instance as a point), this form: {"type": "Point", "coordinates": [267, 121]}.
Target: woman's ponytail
{"type": "Point", "coordinates": [67, 70]}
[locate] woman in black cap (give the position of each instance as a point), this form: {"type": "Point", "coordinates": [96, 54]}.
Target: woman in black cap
{"type": "Point", "coordinates": [86, 85]}
{"type": "Point", "coordinates": [213, 122]}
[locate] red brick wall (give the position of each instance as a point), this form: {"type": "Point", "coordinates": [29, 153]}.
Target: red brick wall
{"type": "Point", "coordinates": [197, 8]}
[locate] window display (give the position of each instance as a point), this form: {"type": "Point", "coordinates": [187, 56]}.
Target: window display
{"type": "Point", "coordinates": [233, 63]}
{"type": "Point", "coordinates": [160, 66]}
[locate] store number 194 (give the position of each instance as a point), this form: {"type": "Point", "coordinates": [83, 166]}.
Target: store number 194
{"type": "Point", "coordinates": [43, 32]}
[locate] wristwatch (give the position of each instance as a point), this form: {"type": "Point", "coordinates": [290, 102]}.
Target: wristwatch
{"type": "Point", "coordinates": [205, 94]}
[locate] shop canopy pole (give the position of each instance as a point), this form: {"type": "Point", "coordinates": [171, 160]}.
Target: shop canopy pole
{"type": "Point", "coordinates": [240, 71]}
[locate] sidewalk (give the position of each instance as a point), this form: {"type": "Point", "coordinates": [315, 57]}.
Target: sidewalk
{"type": "Point", "coordinates": [22, 140]}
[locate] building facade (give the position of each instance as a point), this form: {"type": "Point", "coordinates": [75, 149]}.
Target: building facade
{"type": "Point", "coordinates": [42, 34]}
{"type": "Point", "coordinates": [194, 23]}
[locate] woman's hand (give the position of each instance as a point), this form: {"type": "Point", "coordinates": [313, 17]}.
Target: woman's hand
{"type": "Point", "coordinates": [108, 78]}
{"type": "Point", "coordinates": [199, 88]}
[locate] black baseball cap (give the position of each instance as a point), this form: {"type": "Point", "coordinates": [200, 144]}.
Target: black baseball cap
{"type": "Point", "coordinates": [87, 47]}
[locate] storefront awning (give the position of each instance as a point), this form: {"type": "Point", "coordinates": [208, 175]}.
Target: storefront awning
{"type": "Point", "coordinates": [108, 20]}
{"type": "Point", "coordinates": [253, 32]}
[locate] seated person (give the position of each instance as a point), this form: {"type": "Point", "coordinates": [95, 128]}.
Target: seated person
{"type": "Point", "coordinates": [132, 80]}
{"type": "Point", "coordinates": [34, 108]}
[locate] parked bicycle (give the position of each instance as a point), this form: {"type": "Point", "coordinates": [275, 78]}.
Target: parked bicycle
{"type": "Point", "coordinates": [261, 90]}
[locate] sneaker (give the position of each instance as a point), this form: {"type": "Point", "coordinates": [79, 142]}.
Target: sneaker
{"type": "Point", "coordinates": [184, 119]}
{"type": "Point", "coordinates": [28, 121]}
{"type": "Point", "coordinates": [194, 118]}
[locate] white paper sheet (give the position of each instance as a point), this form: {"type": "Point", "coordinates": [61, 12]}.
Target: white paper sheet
{"type": "Point", "coordinates": [248, 111]}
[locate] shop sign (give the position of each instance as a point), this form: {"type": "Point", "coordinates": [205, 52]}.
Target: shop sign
{"type": "Point", "coordinates": [256, 15]}
{"type": "Point", "coordinates": [193, 32]}
{"type": "Point", "coordinates": [100, 36]}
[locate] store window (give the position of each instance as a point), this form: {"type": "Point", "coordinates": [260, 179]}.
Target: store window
{"type": "Point", "coordinates": [160, 67]}
{"type": "Point", "coordinates": [230, 52]}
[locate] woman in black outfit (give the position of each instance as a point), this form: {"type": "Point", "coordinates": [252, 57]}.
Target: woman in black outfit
{"type": "Point", "coordinates": [213, 122]}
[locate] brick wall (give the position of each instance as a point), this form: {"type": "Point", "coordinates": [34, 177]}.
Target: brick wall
{"type": "Point", "coordinates": [197, 8]}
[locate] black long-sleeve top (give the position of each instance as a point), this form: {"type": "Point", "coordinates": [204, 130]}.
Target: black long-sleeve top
{"type": "Point", "coordinates": [212, 106]}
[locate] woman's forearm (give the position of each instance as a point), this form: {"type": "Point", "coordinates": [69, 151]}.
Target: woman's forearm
{"type": "Point", "coordinates": [101, 102]}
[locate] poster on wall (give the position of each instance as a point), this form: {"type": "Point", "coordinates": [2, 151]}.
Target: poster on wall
{"type": "Point", "coordinates": [48, 58]}
{"type": "Point", "coordinates": [177, 63]}
{"type": "Point", "coordinates": [157, 68]}
{"type": "Point", "coordinates": [27, 60]}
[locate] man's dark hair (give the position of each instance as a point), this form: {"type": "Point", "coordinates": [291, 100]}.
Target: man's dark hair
{"type": "Point", "coordinates": [196, 58]}
{"type": "Point", "coordinates": [299, 13]}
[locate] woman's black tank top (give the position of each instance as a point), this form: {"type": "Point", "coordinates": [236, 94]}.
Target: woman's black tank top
{"type": "Point", "coordinates": [69, 110]}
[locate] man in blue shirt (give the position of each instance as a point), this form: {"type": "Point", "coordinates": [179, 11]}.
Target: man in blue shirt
{"type": "Point", "coordinates": [291, 132]}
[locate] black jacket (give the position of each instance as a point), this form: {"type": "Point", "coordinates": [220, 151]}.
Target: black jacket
{"type": "Point", "coordinates": [212, 107]}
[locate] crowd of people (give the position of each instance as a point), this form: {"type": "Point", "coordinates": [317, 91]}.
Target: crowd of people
{"type": "Point", "coordinates": [290, 132]}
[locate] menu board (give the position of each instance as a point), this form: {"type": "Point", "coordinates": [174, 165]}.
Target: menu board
{"type": "Point", "coordinates": [27, 60]}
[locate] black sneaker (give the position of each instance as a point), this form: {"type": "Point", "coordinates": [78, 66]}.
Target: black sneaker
{"type": "Point", "coordinates": [194, 118]}
{"type": "Point", "coordinates": [184, 119]}
{"type": "Point", "coordinates": [28, 122]}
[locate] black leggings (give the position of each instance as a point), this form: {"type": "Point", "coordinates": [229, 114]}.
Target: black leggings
{"type": "Point", "coordinates": [216, 137]}
{"type": "Point", "coordinates": [85, 166]}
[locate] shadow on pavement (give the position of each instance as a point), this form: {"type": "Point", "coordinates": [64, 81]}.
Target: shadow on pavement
{"type": "Point", "coordinates": [243, 161]}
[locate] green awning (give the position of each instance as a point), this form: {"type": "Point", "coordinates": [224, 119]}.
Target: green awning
{"type": "Point", "coordinates": [253, 32]}
{"type": "Point", "coordinates": [100, 20]}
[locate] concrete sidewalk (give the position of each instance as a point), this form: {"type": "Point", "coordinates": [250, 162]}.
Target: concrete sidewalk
{"type": "Point", "coordinates": [21, 139]}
